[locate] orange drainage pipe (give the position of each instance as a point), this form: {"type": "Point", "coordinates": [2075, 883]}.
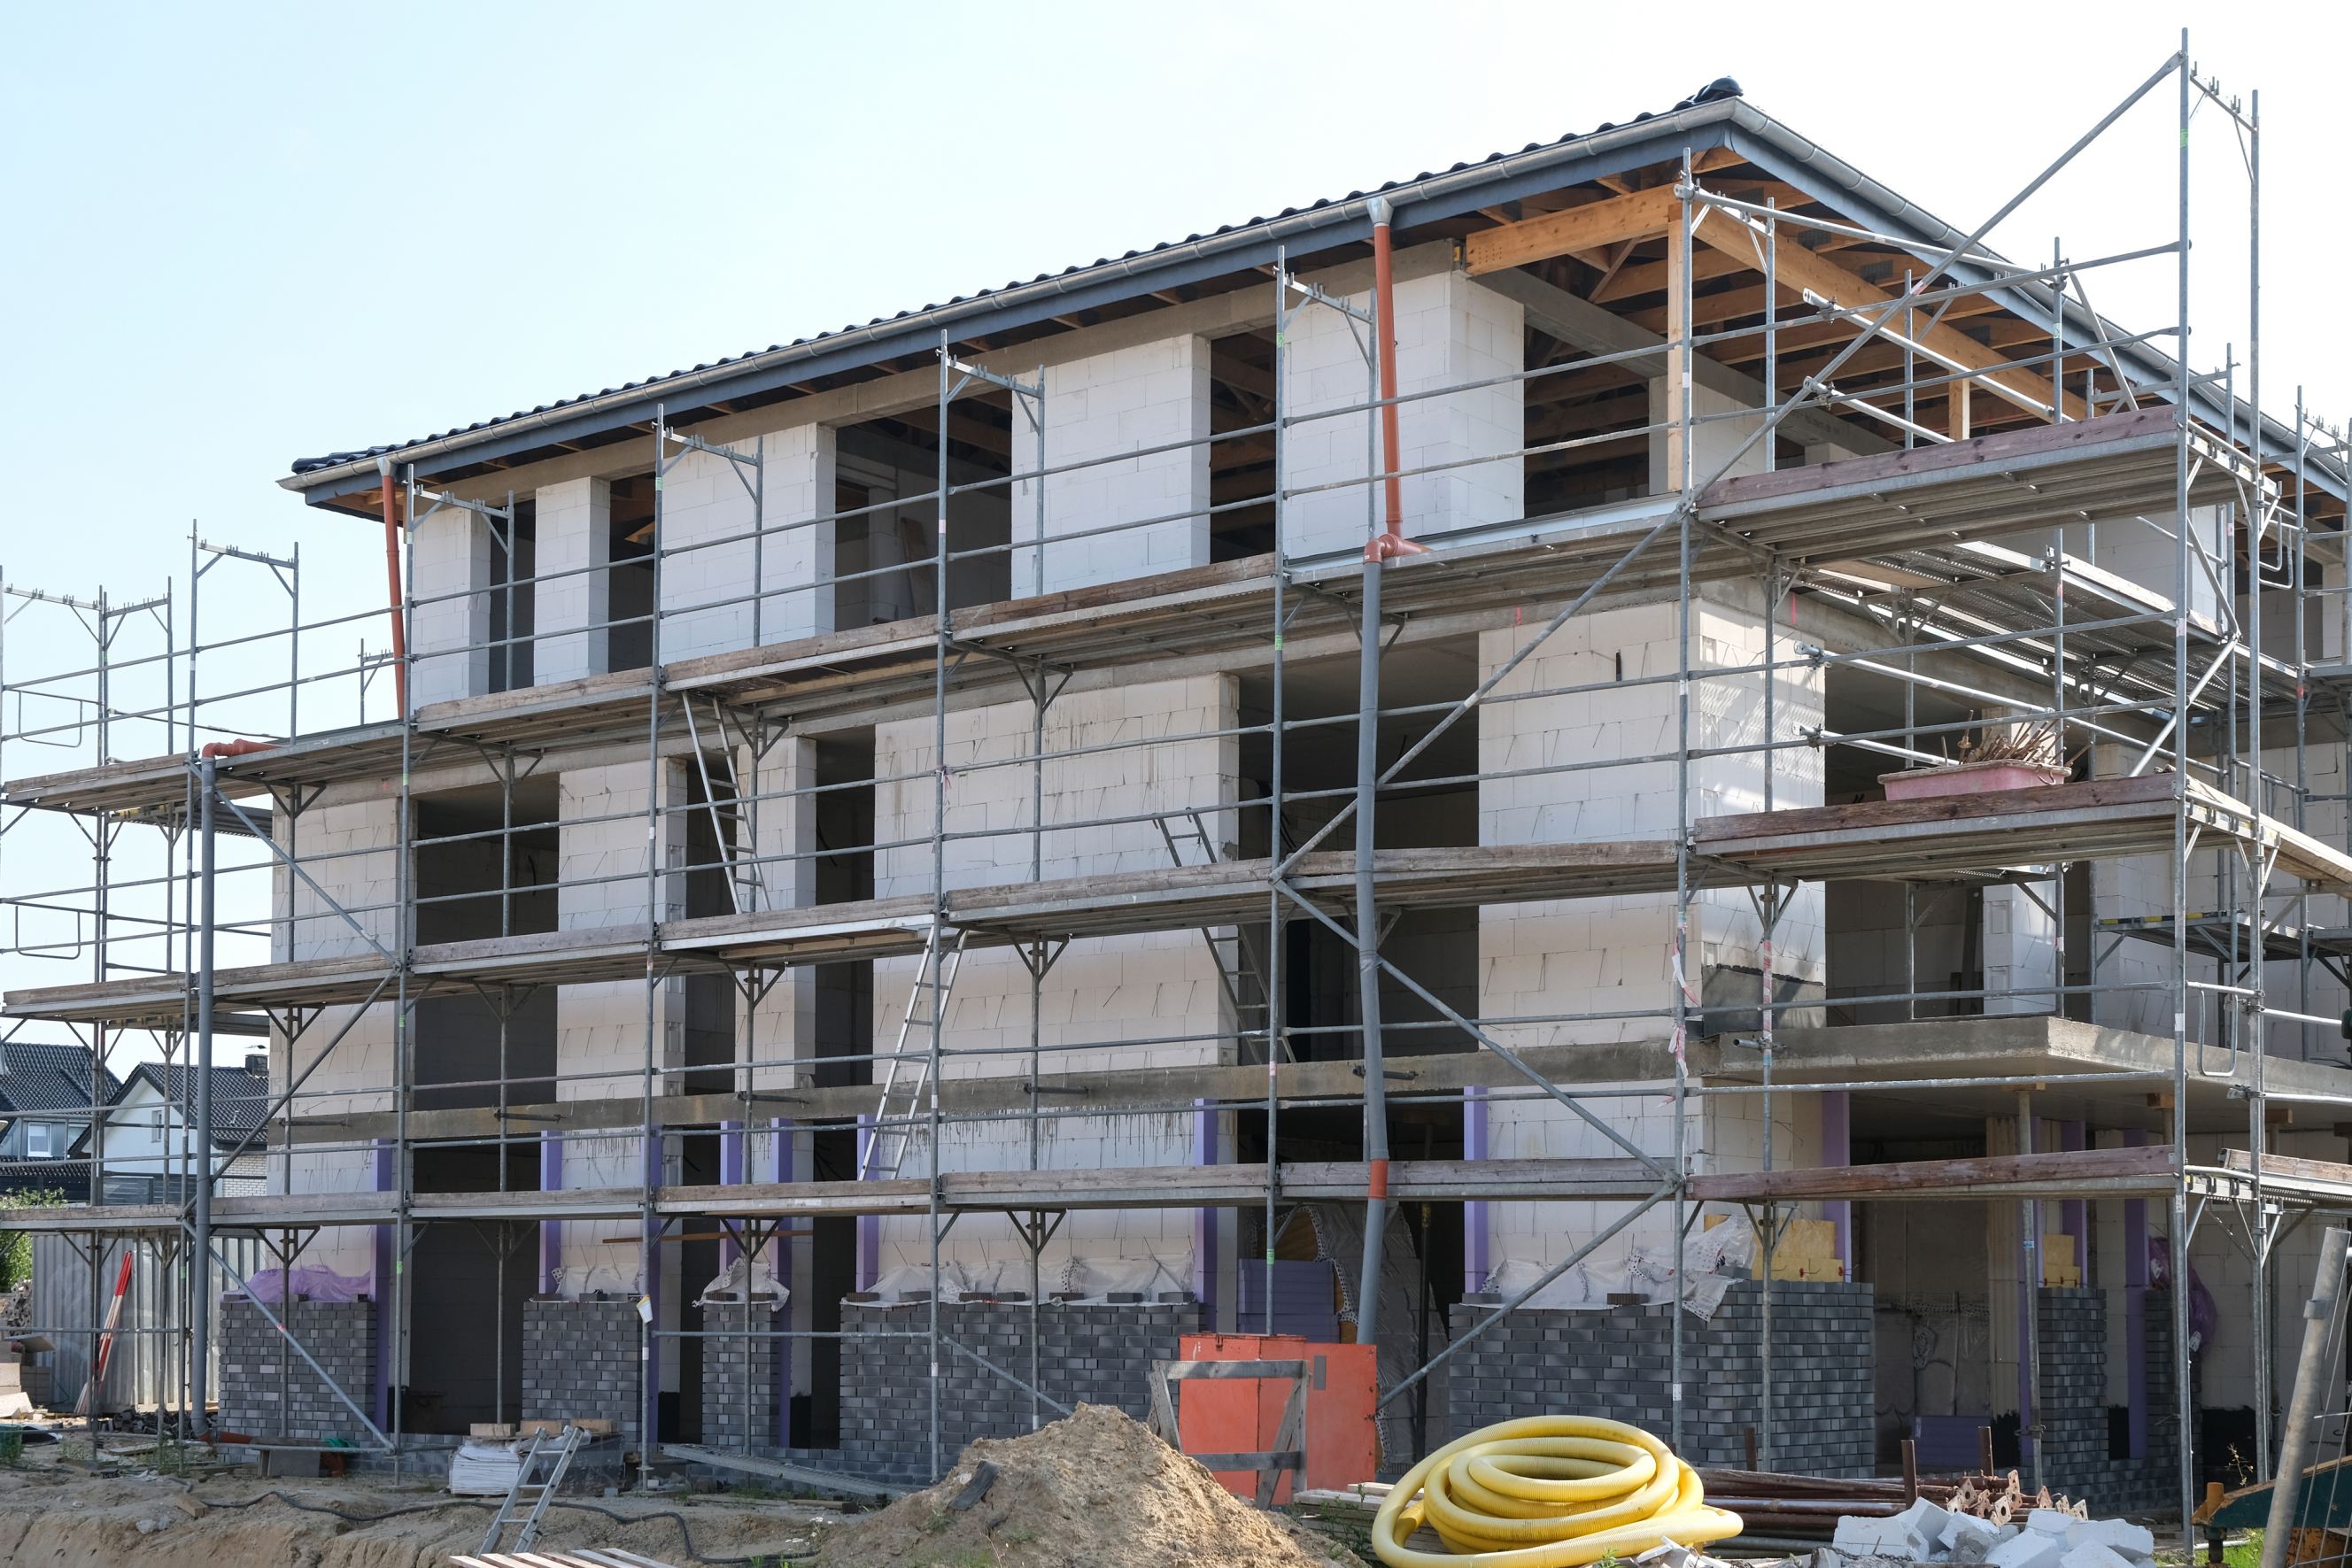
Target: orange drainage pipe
{"type": "Point", "coordinates": [1391, 542]}
{"type": "Point", "coordinates": [234, 748]}
{"type": "Point", "coordinates": [392, 580]}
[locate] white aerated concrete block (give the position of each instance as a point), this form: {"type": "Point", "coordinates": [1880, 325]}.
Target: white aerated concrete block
{"type": "Point", "coordinates": [2027, 1549]}
{"type": "Point", "coordinates": [1451, 330]}
{"type": "Point", "coordinates": [716, 544]}
{"type": "Point", "coordinates": [1716, 443]}
{"type": "Point", "coordinates": [2115, 1534]}
{"type": "Point", "coordinates": [2094, 1555]}
{"type": "Point", "coordinates": [2051, 1522]}
{"type": "Point", "coordinates": [1160, 986]}
{"type": "Point", "coordinates": [449, 609]}
{"type": "Point", "coordinates": [571, 600]}
{"type": "Point", "coordinates": [350, 855]}
{"type": "Point", "coordinates": [1962, 1527]}
{"type": "Point", "coordinates": [1896, 1537]}
{"type": "Point", "coordinates": [1146, 395]}
{"type": "Point", "coordinates": [1927, 1519]}
{"type": "Point", "coordinates": [1602, 970]}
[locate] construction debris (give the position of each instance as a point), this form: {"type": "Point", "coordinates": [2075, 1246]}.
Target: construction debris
{"type": "Point", "coordinates": [2044, 1538]}
{"type": "Point", "coordinates": [1094, 1488]}
{"type": "Point", "coordinates": [1984, 1498]}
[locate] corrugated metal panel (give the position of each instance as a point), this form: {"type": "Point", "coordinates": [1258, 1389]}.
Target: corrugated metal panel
{"type": "Point", "coordinates": [144, 1369]}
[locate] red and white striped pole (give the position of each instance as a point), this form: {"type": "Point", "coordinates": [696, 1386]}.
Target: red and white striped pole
{"type": "Point", "coordinates": [106, 1339]}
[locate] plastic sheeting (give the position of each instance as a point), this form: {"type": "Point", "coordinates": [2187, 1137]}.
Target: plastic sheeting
{"type": "Point", "coordinates": [726, 1288]}
{"type": "Point", "coordinates": [1085, 1279]}
{"type": "Point", "coordinates": [1714, 1260]}
{"type": "Point", "coordinates": [312, 1283]}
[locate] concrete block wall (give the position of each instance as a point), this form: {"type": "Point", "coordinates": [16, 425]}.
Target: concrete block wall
{"type": "Point", "coordinates": [601, 1028]}
{"type": "Point", "coordinates": [2148, 551]}
{"type": "Point", "coordinates": [1171, 757]}
{"type": "Point", "coordinates": [1159, 986]}
{"type": "Point", "coordinates": [710, 561]}
{"type": "Point", "coordinates": [1450, 329]}
{"type": "Point", "coordinates": [1867, 952]}
{"type": "Point", "coordinates": [2135, 887]}
{"type": "Point", "coordinates": [778, 832]}
{"type": "Point", "coordinates": [2076, 1448]}
{"type": "Point", "coordinates": [1616, 1361]}
{"type": "Point", "coordinates": [2020, 949]}
{"type": "Point", "coordinates": [1598, 957]}
{"type": "Point", "coordinates": [583, 1358]}
{"type": "Point", "coordinates": [352, 855]}
{"type": "Point", "coordinates": [1100, 1355]}
{"type": "Point", "coordinates": [266, 1390]}
{"type": "Point", "coordinates": [352, 852]}
{"type": "Point", "coordinates": [1149, 394]}
{"type": "Point", "coordinates": [571, 602]}
{"type": "Point", "coordinates": [740, 1386]}
{"type": "Point", "coordinates": [449, 615]}
{"type": "Point", "coordinates": [354, 1079]}
{"type": "Point", "coordinates": [1714, 444]}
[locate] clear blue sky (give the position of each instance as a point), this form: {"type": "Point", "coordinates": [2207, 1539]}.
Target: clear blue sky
{"type": "Point", "coordinates": [237, 234]}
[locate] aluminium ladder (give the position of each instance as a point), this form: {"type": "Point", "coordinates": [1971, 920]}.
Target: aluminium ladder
{"type": "Point", "coordinates": [541, 1492]}
{"type": "Point", "coordinates": [927, 1003]}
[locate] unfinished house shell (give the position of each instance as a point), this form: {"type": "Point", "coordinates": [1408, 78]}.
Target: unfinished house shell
{"type": "Point", "coordinates": [1448, 768]}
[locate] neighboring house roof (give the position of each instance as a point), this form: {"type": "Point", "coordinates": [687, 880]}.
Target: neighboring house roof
{"type": "Point", "coordinates": [36, 1077]}
{"type": "Point", "coordinates": [240, 1099]}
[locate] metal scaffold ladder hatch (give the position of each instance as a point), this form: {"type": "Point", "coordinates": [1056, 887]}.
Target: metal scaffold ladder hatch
{"type": "Point", "coordinates": [1238, 971]}
{"type": "Point", "coordinates": [909, 1072]}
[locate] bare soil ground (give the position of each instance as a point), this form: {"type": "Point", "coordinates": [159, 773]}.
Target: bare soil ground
{"type": "Point", "coordinates": [1089, 1491]}
{"type": "Point", "coordinates": [59, 1517]}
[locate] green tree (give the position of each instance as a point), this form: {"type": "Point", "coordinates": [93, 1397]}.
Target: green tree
{"type": "Point", "coordinates": [16, 1246]}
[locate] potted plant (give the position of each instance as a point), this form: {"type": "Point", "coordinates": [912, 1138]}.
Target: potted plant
{"type": "Point", "coordinates": [2007, 757]}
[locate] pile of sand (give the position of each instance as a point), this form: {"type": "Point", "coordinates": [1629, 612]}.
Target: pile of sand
{"type": "Point", "coordinates": [1092, 1490]}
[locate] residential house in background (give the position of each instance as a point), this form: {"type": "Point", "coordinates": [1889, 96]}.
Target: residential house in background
{"type": "Point", "coordinates": [147, 1155]}
{"type": "Point", "coordinates": [44, 1098]}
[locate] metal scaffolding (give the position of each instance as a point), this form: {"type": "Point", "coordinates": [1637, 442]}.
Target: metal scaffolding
{"type": "Point", "coordinates": [1917, 557]}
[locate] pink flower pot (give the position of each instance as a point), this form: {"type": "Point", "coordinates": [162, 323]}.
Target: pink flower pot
{"type": "Point", "coordinates": [1968, 778]}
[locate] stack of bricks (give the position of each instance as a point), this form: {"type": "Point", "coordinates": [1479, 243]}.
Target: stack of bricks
{"type": "Point", "coordinates": [266, 1390]}
{"type": "Point", "coordinates": [735, 1382]}
{"type": "Point", "coordinates": [1089, 1354]}
{"type": "Point", "coordinates": [1616, 1361]}
{"type": "Point", "coordinates": [2085, 1447]}
{"type": "Point", "coordinates": [582, 1358]}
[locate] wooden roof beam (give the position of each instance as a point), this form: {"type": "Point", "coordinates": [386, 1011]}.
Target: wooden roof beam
{"type": "Point", "coordinates": [1809, 271]}
{"type": "Point", "coordinates": [1592, 226]}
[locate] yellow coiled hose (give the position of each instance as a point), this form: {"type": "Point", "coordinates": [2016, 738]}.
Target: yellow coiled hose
{"type": "Point", "coordinates": [1552, 1491]}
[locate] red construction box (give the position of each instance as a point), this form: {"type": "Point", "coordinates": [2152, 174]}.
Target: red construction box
{"type": "Point", "coordinates": [1243, 1416]}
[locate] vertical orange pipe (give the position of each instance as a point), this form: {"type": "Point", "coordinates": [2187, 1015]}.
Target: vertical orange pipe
{"type": "Point", "coordinates": [399, 611]}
